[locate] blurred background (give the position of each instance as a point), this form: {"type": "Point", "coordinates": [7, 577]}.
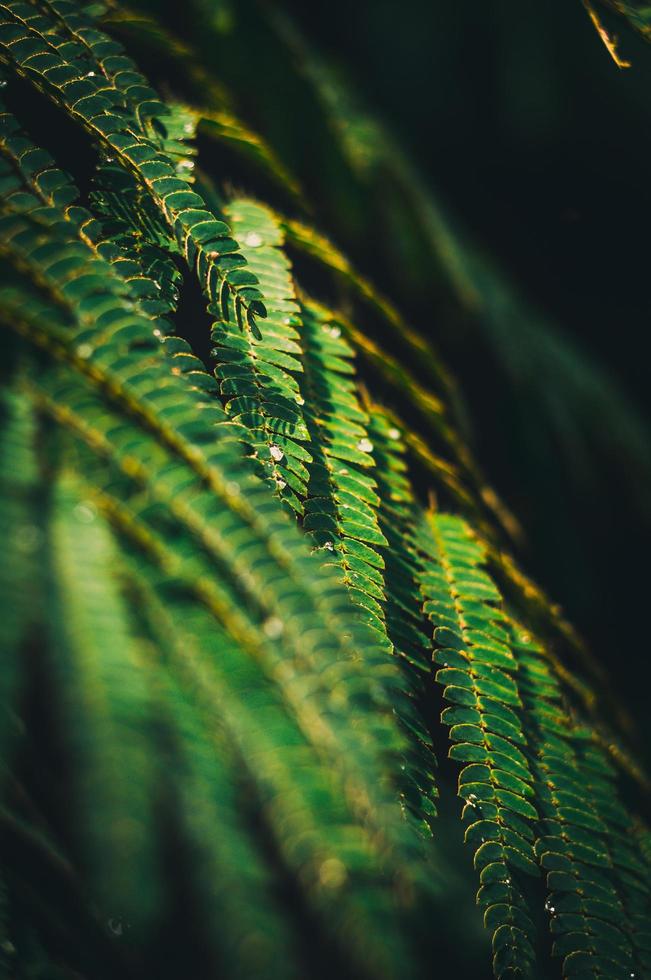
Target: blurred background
{"type": "Point", "coordinates": [509, 221]}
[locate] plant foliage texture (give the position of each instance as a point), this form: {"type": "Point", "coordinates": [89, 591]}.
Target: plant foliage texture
{"type": "Point", "coordinates": [254, 583]}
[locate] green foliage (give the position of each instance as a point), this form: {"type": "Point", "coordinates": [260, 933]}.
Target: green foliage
{"type": "Point", "coordinates": [219, 716]}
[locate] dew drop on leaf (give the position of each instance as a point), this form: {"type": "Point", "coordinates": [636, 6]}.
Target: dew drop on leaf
{"type": "Point", "coordinates": [85, 513]}
{"type": "Point", "coordinates": [332, 873]}
{"type": "Point", "coordinates": [273, 627]}
{"type": "Point", "coordinates": [365, 446]}
{"type": "Point", "coordinates": [276, 452]}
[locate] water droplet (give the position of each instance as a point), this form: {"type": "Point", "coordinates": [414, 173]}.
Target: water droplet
{"type": "Point", "coordinates": [287, 320]}
{"type": "Point", "coordinates": [252, 239]}
{"type": "Point", "coordinates": [188, 128]}
{"type": "Point", "coordinates": [394, 433]}
{"type": "Point", "coordinates": [365, 446]}
{"type": "Point", "coordinates": [273, 627]}
{"type": "Point", "coordinates": [525, 638]}
{"type": "Point", "coordinates": [549, 907]}
{"type": "Point", "coordinates": [84, 351]}
{"type": "Point", "coordinates": [299, 400]}
{"type": "Point", "coordinates": [329, 546]}
{"type": "Point", "coordinates": [90, 74]}
{"type": "Point", "coordinates": [332, 873]}
{"type": "Point", "coordinates": [115, 926]}
{"type": "Point", "coordinates": [344, 472]}
{"type": "Point", "coordinates": [335, 331]}
{"type": "Point", "coordinates": [85, 513]}
{"type": "Point", "coordinates": [185, 165]}
{"type": "Point", "coordinates": [3, 83]}
{"type": "Point", "coordinates": [276, 452]}
{"type": "Point", "coordinates": [281, 484]}
{"type": "Point", "coordinates": [158, 333]}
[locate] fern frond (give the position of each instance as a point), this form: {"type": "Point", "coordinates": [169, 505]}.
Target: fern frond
{"type": "Point", "coordinates": [26, 169]}
{"type": "Point", "coordinates": [477, 668]}
{"type": "Point", "coordinates": [244, 923]}
{"type": "Point", "coordinates": [280, 782]}
{"type": "Point", "coordinates": [200, 577]}
{"type": "Point", "coordinates": [631, 879]}
{"type": "Point", "coordinates": [574, 843]}
{"type": "Point", "coordinates": [341, 509]}
{"type": "Point", "coordinates": [335, 870]}
{"type": "Point", "coordinates": [257, 368]}
{"type": "Point", "coordinates": [203, 239]}
{"type": "Point", "coordinates": [398, 513]}
{"type": "Point", "coordinates": [106, 711]}
{"type": "Point", "coordinates": [65, 25]}
{"type": "Point", "coordinates": [587, 918]}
